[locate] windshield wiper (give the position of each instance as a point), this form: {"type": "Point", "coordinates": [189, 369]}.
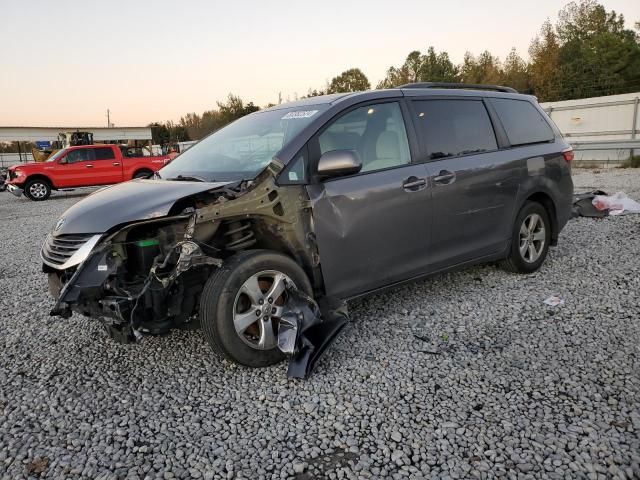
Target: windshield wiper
{"type": "Point", "coordinates": [187, 178]}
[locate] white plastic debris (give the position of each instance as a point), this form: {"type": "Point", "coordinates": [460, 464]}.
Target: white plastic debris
{"type": "Point", "coordinates": [617, 204]}
{"type": "Point", "coordinates": [554, 301]}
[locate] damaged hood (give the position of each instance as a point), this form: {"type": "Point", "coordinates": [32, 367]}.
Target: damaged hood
{"type": "Point", "coordinates": [127, 202]}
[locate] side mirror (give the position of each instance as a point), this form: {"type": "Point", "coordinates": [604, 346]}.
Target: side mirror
{"type": "Point", "coordinates": [337, 163]}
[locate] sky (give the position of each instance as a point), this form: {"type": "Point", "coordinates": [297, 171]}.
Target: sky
{"type": "Point", "coordinates": [65, 62]}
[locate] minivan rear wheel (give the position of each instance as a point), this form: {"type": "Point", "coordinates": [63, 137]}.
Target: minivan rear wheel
{"type": "Point", "coordinates": [241, 304]}
{"type": "Point", "coordinates": [530, 239]}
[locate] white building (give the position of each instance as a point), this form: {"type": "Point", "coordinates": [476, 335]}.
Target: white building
{"type": "Point", "coordinates": [50, 134]}
{"type": "Point", "coordinates": [100, 134]}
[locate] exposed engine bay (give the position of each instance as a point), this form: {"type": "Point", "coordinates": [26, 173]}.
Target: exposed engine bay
{"type": "Point", "coordinates": [146, 277]}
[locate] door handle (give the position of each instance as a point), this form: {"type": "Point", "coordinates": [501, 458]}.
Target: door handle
{"type": "Point", "coordinates": [445, 177]}
{"type": "Point", "coordinates": [414, 183]}
{"type": "Point", "coordinates": [89, 166]}
{"type": "Point", "coordinates": [116, 164]}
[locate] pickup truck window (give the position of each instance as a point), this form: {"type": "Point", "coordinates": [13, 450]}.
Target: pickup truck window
{"type": "Point", "coordinates": [104, 153]}
{"type": "Point", "coordinates": [80, 155]}
{"type": "Point", "coordinates": [55, 156]}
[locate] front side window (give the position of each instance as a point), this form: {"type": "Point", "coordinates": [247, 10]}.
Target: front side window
{"type": "Point", "coordinates": [451, 128]}
{"type": "Point", "coordinates": [523, 123]}
{"type": "Point", "coordinates": [55, 156]}
{"type": "Point", "coordinates": [376, 132]}
{"type": "Point", "coordinates": [80, 155]}
{"type": "Point", "coordinates": [243, 148]}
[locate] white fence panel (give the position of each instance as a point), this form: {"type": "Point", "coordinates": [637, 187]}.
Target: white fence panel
{"type": "Point", "coordinates": [614, 117]}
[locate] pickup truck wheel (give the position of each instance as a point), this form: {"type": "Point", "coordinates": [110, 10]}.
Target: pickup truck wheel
{"type": "Point", "coordinates": [530, 240]}
{"type": "Point", "coordinates": [37, 189]}
{"type": "Point", "coordinates": [143, 174]}
{"type": "Point", "coordinates": [241, 303]}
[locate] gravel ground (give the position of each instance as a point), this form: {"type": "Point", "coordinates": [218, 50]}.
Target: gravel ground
{"type": "Point", "coordinates": [498, 385]}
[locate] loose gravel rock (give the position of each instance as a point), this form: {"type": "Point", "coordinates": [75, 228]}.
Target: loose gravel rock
{"type": "Point", "coordinates": [465, 375]}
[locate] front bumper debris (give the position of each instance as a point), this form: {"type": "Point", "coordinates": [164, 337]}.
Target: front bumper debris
{"type": "Point", "coordinates": [307, 329]}
{"type": "Point", "coordinates": [17, 191]}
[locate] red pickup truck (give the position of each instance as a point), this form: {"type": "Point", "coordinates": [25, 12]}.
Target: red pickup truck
{"type": "Point", "coordinates": [82, 166]}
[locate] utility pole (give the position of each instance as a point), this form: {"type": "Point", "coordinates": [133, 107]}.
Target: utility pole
{"type": "Point", "coordinates": [108, 119]}
{"type": "Point", "coordinates": [279, 98]}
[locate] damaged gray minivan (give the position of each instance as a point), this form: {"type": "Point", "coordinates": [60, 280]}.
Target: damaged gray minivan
{"type": "Point", "coordinates": [264, 227]}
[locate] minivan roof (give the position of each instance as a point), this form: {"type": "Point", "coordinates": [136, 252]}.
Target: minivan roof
{"type": "Point", "coordinates": [407, 91]}
{"type": "Point", "coordinates": [337, 103]}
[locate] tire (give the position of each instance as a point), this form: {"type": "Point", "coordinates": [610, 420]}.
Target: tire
{"type": "Point", "coordinates": [37, 189]}
{"type": "Point", "coordinates": [223, 297]}
{"type": "Point", "coordinates": [529, 248]}
{"type": "Point", "coordinates": [143, 174]}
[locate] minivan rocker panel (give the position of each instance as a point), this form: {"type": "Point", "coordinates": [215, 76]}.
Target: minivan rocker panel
{"type": "Point", "coordinates": [263, 229]}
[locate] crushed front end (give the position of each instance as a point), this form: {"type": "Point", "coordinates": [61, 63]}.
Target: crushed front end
{"type": "Point", "coordinates": [147, 276]}
{"type": "Point", "coordinates": [144, 278]}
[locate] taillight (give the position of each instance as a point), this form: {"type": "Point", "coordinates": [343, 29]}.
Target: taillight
{"type": "Point", "coordinates": [568, 154]}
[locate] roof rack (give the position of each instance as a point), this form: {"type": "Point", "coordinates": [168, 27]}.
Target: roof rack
{"type": "Point", "coordinates": [471, 86]}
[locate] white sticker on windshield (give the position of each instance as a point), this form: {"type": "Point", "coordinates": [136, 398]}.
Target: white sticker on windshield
{"type": "Point", "coordinates": [300, 114]}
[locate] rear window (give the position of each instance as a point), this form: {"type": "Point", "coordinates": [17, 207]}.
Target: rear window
{"type": "Point", "coordinates": [454, 127]}
{"type": "Point", "coordinates": [104, 153]}
{"type": "Point", "coordinates": [522, 121]}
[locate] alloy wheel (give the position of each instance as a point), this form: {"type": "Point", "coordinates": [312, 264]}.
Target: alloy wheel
{"type": "Point", "coordinates": [258, 307]}
{"type": "Point", "coordinates": [532, 238]}
{"type": "Point", "coordinates": [38, 190]}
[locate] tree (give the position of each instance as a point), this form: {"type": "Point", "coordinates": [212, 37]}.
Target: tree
{"type": "Point", "coordinates": [192, 123]}
{"type": "Point", "coordinates": [196, 127]}
{"type": "Point", "coordinates": [585, 20]}
{"type": "Point", "coordinates": [163, 133]}
{"type": "Point", "coordinates": [437, 67]}
{"type": "Point", "coordinates": [590, 53]}
{"type": "Point", "coordinates": [545, 60]}
{"type": "Point", "coordinates": [484, 69]}
{"type": "Point", "coordinates": [235, 108]}
{"type": "Point", "coordinates": [515, 72]}
{"type": "Point", "coordinates": [430, 67]}
{"type": "Point", "coordinates": [352, 80]}
{"type": "Point", "coordinates": [394, 78]}
{"type": "Point", "coordinates": [315, 93]}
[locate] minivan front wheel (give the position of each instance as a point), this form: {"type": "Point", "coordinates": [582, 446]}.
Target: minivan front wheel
{"type": "Point", "coordinates": [530, 239]}
{"type": "Point", "coordinates": [241, 304]}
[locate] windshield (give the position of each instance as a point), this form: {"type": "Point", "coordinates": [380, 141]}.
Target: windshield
{"type": "Point", "coordinates": [55, 156]}
{"type": "Point", "coordinates": [243, 148]}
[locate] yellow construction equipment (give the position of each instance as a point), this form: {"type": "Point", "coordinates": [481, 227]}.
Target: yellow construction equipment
{"type": "Point", "coordinates": [65, 139]}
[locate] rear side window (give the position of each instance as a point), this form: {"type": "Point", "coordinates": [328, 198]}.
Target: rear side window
{"type": "Point", "coordinates": [104, 153]}
{"type": "Point", "coordinates": [522, 121]}
{"type": "Point", "coordinates": [451, 128]}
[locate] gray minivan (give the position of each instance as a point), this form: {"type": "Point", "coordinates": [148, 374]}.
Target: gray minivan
{"type": "Point", "coordinates": [332, 197]}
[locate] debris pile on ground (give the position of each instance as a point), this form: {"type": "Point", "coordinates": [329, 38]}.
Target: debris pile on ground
{"type": "Point", "coordinates": [616, 204]}
{"type": "Point", "coordinates": [598, 204]}
{"type": "Point", "coordinates": [499, 384]}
